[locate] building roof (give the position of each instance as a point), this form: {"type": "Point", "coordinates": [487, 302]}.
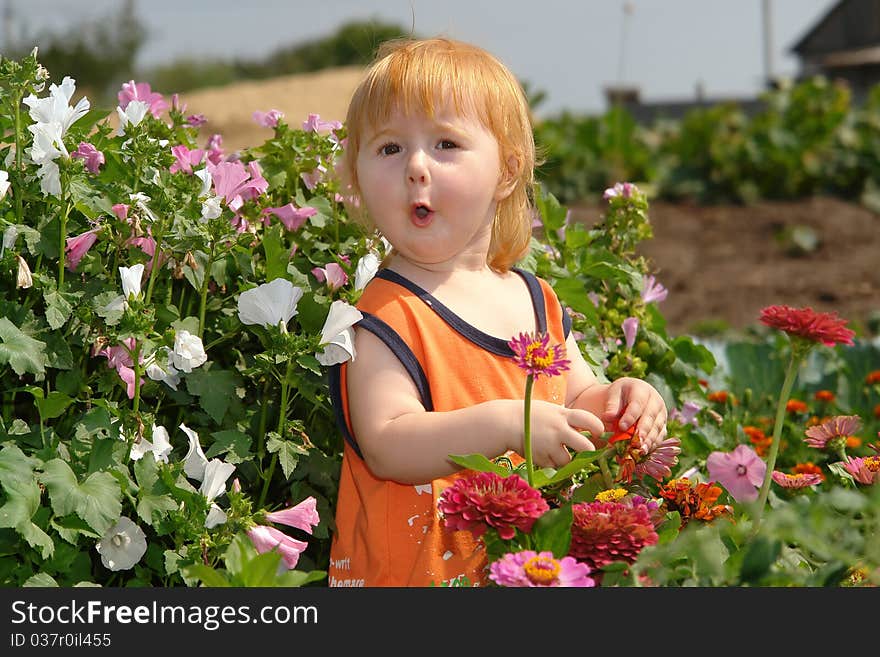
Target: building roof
{"type": "Point", "coordinates": [849, 25]}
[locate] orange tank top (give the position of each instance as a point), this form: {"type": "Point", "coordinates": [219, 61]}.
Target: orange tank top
{"type": "Point", "coordinates": [391, 534]}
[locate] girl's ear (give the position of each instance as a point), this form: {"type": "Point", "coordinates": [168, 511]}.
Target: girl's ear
{"type": "Point", "coordinates": [509, 176]}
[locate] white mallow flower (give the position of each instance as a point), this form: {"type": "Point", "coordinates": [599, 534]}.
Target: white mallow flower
{"type": "Point", "coordinates": [24, 279]}
{"type": "Point", "coordinates": [216, 516]}
{"type": "Point", "coordinates": [211, 208]}
{"type": "Point", "coordinates": [365, 270]}
{"type": "Point", "coordinates": [160, 447]}
{"type": "Point", "coordinates": [216, 474]}
{"type": "Point", "coordinates": [122, 546]}
{"type": "Point", "coordinates": [50, 179]}
{"type": "Point", "coordinates": [131, 280]}
{"type": "Point", "coordinates": [9, 237]}
{"type": "Point", "coordinates": [269, 304]}
{"type": "Point", "coordinates": [159, 367]}
{"type": "Point", "coordinates": [337, 335]}
{"type": "Point", "coordinates": [4, 184]}
{"type": "Point", "coordinates": [195, 462]}
{"type": "Point", "coordinates": [133, 114]}
{"type": "Point", "coordinates": [55, 108]}
{"type": "Point", "coordinates": [188, 351]}
{"type": "Point", "coordinates": [48, 143]}
{"type": "Point", "coordinates": [207, 180]}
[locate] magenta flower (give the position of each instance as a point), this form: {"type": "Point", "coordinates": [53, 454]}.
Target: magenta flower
{"type": "Point", "coordinates": [78, 246]}
{"type": "Point", "coordinates": [237, 184]}
{"type": "Point", "coordinates": [266, 539]}
{"type": "Point", "coordinates": [529, 568]}
{"type": "Point", "coordinates": [739, 471]}
{"type": "Point", "coordinates": [268, 119]}
{"type": "Point", "coordinates": [141, 91]}
{"type": "Point", "coordinates": [302, 516]}
{"type": "Point", "coordinates": [837, 429]}
{"type": "Point", "coordinates": [652, 291]}
{"type": "Point", "coordinates": [291, 216]}
{"type": "Point", "coordinates": [799, 480]}
{"type": "Point", "coordinates": [119, 358]}
{"type": "Point", "coordinates": [148, 246]}
{"type": "Point", "coordinates": [196, 120]}
{"type": "Point", "coordinates": [630, 329]}
{"type": "Point", "coordinates": [333, 274]}
{"type": "Point", "coordinates": [215, 148]}
{"type": "Point", "coordinates": [92, 156]}
{"type": "Point", "coordinates": [807, 324]}
{"type": "Point", "coordinates": [534, 354]}
{"type": "Point", "coordinates": [657, 460]}
{"type": "Point", "coordinates": [185, 159]}
{"type": "Point", "coordinates": [121, 211]}
{"type": "Point", "coordinates": [315, 124]}
{"type": "Point", "coordinates": [312, 178]}
{"type": "Point", "coordinates": [602, 532]}
{"type": "Point", "coordinates": [865, 470]}
{"type": "Point", "coordinates": [687, 414]}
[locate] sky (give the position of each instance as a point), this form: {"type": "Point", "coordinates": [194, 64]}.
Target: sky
{"type": "Point", "coordinates": [570, 49]}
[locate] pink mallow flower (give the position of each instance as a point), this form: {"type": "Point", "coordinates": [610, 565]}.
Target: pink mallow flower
{"type": "Point", "coordinates": [148, 246]}
{"type": "Point", "coordinates": [121, 211]}
{"type": "Point", "coordinates": [687, 414]}
{"type": "Point", "coordinates": [741, 472]}
{"type": "Point", "coordinates": [266, 539]}
{"type": "Point", "coordinates": [531, 569]}
{"type": "Point", "coordinates": [315, 124]}
{"type": "Point", "coordinates": [185, 159]}
{"type": "Point", "coordinates": [196, 120]}
{"type": "Point", "coordinates": [119, 358]}
{"type": "Point", "coordinates": [624, 190]}
{"type": "Point", "coordinates": [78, 246]}
{"type": "Point", "coordinates": [291, 216]}
{"type": "Point", "coordinates": [332, 274]}
{"type": "Point", "coordinates": [141, 91]}
{"type": "Point", "coordinates": [302, 516]}
{"type": "Point", "coordinates": [268, 119]}
{"type": "Point", "coordinates": [652, 291]}
{"type": "Point", "coordinates": [93, 158]}
{"type": "Point", "coordinates": [215, 148]}
{"type": "Point", "coordinates": [312, 178]}
{"type": "Point", "coordinates": [236, 184]}
{"type": "Point", "coordinates": [630, 328]}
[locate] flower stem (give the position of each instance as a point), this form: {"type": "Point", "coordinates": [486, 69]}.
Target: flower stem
{"type": "Point", "coordinates": [63, 229]}
{"type": "Point", "coordinates": [607, 479]}
{"type": "Point", "coordinates": [154, 266]}
{"type": "Point", "coordinates": [785, 393]}
{"type": "Point", "coordinates": [204, 291]}
{"type": "Point", "coordinates": [16, 107]}
{"type": "Point", "coordinates": [282, 419]}
{"type": "Point", "coordinates": [527, 434]}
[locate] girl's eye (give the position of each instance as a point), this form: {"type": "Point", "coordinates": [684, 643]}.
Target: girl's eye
{"type": "Point", "coordinates": [446, 144]}
{"type": "Point", "coordinates": [389, 149]}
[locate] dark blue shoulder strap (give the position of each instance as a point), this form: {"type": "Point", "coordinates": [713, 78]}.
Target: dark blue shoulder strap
{"type": "Point", "coordinates": [537, 293]}
{"type": "Point", "coordinates": [406, 357]}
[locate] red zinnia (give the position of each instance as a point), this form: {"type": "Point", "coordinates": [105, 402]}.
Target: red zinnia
{"type": "Point", "coordinates": [486, 499]}
{"type": "Point", "coordinates": [603, 532]}
{"type": "Point", "coordinates": [806, 323]}
{"type": "Point", "coordinates": [533, 353]}
{"type": "Point", "coordinates": [693, 500]}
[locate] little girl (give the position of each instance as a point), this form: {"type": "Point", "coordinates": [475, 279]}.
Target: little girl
{"type": "Point", "coordinates": [441, 156]}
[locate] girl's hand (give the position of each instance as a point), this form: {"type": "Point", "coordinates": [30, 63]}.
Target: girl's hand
{"type": "Point", "coordinates": [633, 401]}
{"type": "Point", "coordinates": [555, 428]}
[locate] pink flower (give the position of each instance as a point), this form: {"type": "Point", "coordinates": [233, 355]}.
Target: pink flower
{"type": "Point", "coordinates": [215, 148]}
{"type": "Point", "coordinates": [121, 211]}
{"type": "Point", "coordinates": [266, 539]}
{"type": "Point", "coordinates": [92, 156]}
{"type": "Point", "coordinates": [657, 460]}
{"type": "Point", "coordinates": [302, 516]}
{"type": "Point", "coordinates": [148, 246]}
{"type": "Point", "coordinates": [315, 124]}
{"type": "Point", "coordinates": [839, 426]}
{"type": "Point", "coordinates": [687, 414]}
{"type": "Point", "coordinates": [119, 358]}
{"type": "Point", "coordinates": [237, 184]}
{"type": "Point", "coordinates": [196, 120]}
{"type": "Point", "coordinates": [333, 274]}
{"type": "Point", "coordinates": [799, 480]}
{"type": "Point", "coordinates": [312, 178]}
{"type": "Point", "coordinates": [603, 532]}
{"type": "Point", "coordinates": [529, 568]}
{"type": "Point", "coordinates": [485, 499]}
{"type": "Point", "coordinates": [78, 246]}
{"type": "Point", "coordinates": [141, 91]}
{"type": "Point", "coordinates": [806, 323]}
{"type": "Point", "coordinates": [268, 119]}
{"type": "Point", "coordinates": [630, 329]}
{"type": "Point", "coordinates": [865, 470]}
{"type": "Point", "coordinates": [533, 353]}
{"type": "Point", "coordinates": [624, 190]}
{"type": "Point", "coordinates": [291, 216]}
{"type": "Point", "coordinates": [185, 159]}
{"type": "Point", "coordinates": [652, 290]}
{"type": "Point", "coordinates": [739, 471]}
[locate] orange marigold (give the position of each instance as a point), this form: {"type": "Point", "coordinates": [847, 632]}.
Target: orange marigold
{"type": "Point", "coordinates": [824, 396]}
{"type": "Point", "coordinates": [877, 411]}
{"type": "Point", "coordinates": [853, 442]}
{"type": "Point", "coordinates": [796, 406]}
{"type": "Point", "coordinates": [808, 468]}
{"type": "Point", "coordinates": [693, 501]}
{"type": "Point", "coordinates": [719, 396]}
{"type": "Point", "coordinates": [872, 378]}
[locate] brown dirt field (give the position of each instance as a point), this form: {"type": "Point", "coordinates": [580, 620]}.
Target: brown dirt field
{"type": "Point", "coordinates": [720, 263]}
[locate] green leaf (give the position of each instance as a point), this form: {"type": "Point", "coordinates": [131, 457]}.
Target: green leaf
{"type": "Point", "coordinates": [24, 354]}
{"type": "Point", "coordinates": [479, 463]}
{"type": "Point", "coordinates": [22, 501]}
{"type": "Point", "coordinates": [260, 571]}
{"type": "Point", "coordinates": [277, 255]}
{"type": "Point", "coordinates": [52, 406]}
{"type": "Point", "coordinates": [552, 531]}
{"type": "Point", "coordinates": [288, 452]}
{"type": "Point", "coordinates": [15, 467]}
{"type": "Point", "coordinates": [215, 389]}
{"type": "Point", "coordinates": [206, 575]}
{"type": "Point", "coordinates": [235, 446]}
{"type": "Point", "coordinates": [299, 577]}
{"type": "Point", "coordinates": [40, 580]}
{"type": "Point", "coordinates": [37, 539]}
{"type": "Point", "coordinates": [58, 309]}
{"type": "Point", "coordinates": [759, 557]}
{"type": "Point", "coordinates": [97, 500]}
{"type": "Point", "coordinates": [580, 461]}
{"type": "Point", "coordinates": [573, 293]}
{"type": "Point", "coordinates": [310, 363]}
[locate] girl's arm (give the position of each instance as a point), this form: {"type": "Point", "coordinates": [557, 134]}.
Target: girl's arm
{"type": "Point", "coordinates": [402, 441]}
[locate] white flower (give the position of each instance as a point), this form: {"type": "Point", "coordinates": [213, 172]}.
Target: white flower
{"type": "Point", "coordinates": [338, 334]}
{"type": "Point", "coordinates": [207, 180]}
{"type": "Point", "coordinates": [131, 280]}
{"type": "Point", "coordinates": [24, 280]}
{"type": "Point", "coordinates": [9, 236]}
{"type": "Point", "coordinates": [48, 143]}
{"type": "Point", "coordinates": [140, 201]}
{"type": "Point", "coordinates": [188, 351]}
{"type": "Point", "coordinates": [159, 367]}
{"type": "Point", "coordinates": [122, 546]}
{"type": "Point", "coordinates": [4, 186]}
{"type": "Point", "coordinates": [55, 108]}
{"type": "Point", "coordinates": [133, 114]}
{"type": "Point", "coordinates": [195, 462]}
{"type": "Point", "coordinates": [50, 179]}
{"type": "Point", "coordinates": [216, 474]}
{"type": "Point", "coordinates": [211, 208]}
{"type": "Point", "coordinates": [216, 516]}
{"type": "Point", "coordinates": [365, 270]}
{"type": "Point", "coordinates": [270, 303]}
{"type": "Point", "coordinates": [160, 447]}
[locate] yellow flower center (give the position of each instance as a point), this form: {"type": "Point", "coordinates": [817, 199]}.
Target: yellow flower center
{"type": "Point", "coordinates": [538, 356]}
{"type": "Point", "coordinates": [611, 495]}
{"type": "Point", "coordinates": [872, 463]}
{"type": "Point", "coordinates": [541, 570]}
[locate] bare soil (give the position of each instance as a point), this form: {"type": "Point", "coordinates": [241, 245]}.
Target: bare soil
{"type": "Point", "coordinates": [721, 264]}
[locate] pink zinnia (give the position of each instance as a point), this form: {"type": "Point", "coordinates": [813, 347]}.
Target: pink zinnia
{"type": "Point", "coordinates": [77, 247]}
{"type": "Point", "coordinates": [806, 323]}
{"type": "Point", "coordinates": [740, 472]}
{"type": "Point", "coordinates": [839, 426]}
{"type": "Point", "coordinates": [266, 539]}
{"type": "Point", "coordinates": [603, 532]}
{"type": "Point", "coordinates": [291, 216]}
{"type": "Point", "coordinates": [799, 480]}
{"type": "Point", "coordinates": [865, 470]}
{"type": "Point", "coordinates": [529, 568]}
{"type": "Point", "coordinates": [486, 499]}
{"type": "Point", "coordinates": [141, 91]}
{"type": "Point", "coordinates": [533, 353]}
{"type": "Point", "coordinates": [302, 516]}
{"type": "Point", "coordinates": [92, 156]}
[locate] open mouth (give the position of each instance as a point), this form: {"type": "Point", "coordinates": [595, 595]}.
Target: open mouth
{"type": "Point", "coordinates": [421, 214]}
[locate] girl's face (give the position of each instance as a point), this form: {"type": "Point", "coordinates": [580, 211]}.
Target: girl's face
{"type": "Point", "coordinates": [431, 185]}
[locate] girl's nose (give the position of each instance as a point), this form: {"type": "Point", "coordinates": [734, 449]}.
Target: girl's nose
{"type": "Point", "coordinates": [417, 169]}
